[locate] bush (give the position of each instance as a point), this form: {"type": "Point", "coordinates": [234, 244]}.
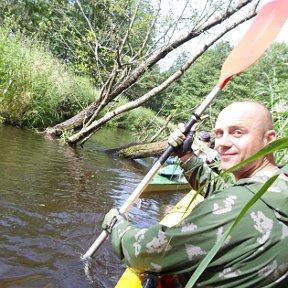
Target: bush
{"type": "Point", "coordinates": [37, 90]}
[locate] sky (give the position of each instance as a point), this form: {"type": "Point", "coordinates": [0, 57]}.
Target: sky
{"type": "Point", "coordinates": [240, 31]}
{"type": "Point", "coordinates": [233, 36]}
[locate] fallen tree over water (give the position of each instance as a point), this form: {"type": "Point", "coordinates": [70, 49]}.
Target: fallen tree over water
{"type": "Point", "coordinates": [140, 150]}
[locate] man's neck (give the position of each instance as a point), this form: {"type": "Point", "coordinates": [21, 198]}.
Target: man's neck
{"type": "Point", "coordinates": [268, 171]}
{"type": "Point", "coordinates": [266, 168]}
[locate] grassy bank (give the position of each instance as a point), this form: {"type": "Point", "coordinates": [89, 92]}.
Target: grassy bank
{"type": "Point", "coordinates": [37, 90]}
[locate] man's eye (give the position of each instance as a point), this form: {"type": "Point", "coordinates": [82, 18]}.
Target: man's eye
{"type": "Point", "coordinates": [237, 133]}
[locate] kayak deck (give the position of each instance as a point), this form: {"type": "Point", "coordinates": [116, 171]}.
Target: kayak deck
{"type": "Point", "coordinates": [161, 184]}
{"type": "Point", "coordinates": [169, 178]}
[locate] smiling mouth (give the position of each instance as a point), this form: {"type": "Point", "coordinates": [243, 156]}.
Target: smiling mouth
{"type": "Point", "coordinates": [227, 156]}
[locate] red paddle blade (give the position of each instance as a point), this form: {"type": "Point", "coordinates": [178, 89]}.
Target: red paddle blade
{"type": "Point", "coordinates": [260, 35]}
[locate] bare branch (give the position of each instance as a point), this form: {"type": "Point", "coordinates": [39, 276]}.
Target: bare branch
{"type": "Point", "coordinates": [130, 27]}
{"type": "Point", "coordinates": [88, 131]}
{"type": "Point", "coordinates": [91, 30]}
{"type": "Point", "coordinates": [152, 26]}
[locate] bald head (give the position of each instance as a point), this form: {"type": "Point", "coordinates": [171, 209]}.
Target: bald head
{"type": "Point", "coordinates": [254, 113]}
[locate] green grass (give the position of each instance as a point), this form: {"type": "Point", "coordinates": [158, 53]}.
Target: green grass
{"type": "Point", "coordinates": [37, 90]}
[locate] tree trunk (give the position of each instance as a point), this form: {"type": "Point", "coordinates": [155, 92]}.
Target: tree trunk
{"type": "Point", "coordinates": [85, 119]}
{"type": "Point", "coordinates": [141, 150]}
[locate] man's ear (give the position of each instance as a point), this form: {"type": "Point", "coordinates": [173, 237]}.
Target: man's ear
{"type": "Point", "coordinates": [270, 136]}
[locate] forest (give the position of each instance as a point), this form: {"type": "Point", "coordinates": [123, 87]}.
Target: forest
{"type": "Point", "coordinates": [69, 68]}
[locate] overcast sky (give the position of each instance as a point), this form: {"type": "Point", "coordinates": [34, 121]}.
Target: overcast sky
{"type": "Point", "coordinates": [233, 36]}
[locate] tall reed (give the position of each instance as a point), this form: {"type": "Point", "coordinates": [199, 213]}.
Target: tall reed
{"type": "Point", "coordinates": [37, 90]}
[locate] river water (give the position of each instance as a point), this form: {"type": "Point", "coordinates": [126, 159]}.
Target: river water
{"type": "Point", "coordinates": [53, 200]}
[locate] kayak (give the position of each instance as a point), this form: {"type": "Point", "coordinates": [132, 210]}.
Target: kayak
{"type": "Point", "coordinates": [133, 280]}
{"type": "Point", "coordinates": [161, 183]}
{"type": "Point", "coordinates": [169, 178]}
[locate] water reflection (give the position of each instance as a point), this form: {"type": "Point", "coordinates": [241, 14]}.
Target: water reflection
{"type": "Point", "coordinates": [53, 200]}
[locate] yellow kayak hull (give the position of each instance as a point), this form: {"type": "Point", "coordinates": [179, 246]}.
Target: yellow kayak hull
{"type": "Point", "coordinates": [180, 211]}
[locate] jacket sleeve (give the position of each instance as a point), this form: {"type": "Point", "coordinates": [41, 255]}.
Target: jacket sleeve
{"type": "Point", "coordinates": [180, 248]}
{"type": "Point", "coordinates": [158, 249]}
{"type": "Point", "coordinates": [204, 177]}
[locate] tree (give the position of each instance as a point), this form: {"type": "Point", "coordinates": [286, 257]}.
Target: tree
{"type": "Point", "coordinates": [121, 47]}
{"type": "Point", "coordinates": [83, 33]}
{"type": "Point", "coordinates": [117, 84]}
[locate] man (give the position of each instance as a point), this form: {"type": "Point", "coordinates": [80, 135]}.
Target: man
{"type": "Point", "coordinates": [255, 254]}
{"type": "Point", "coordinates": [202, 147]}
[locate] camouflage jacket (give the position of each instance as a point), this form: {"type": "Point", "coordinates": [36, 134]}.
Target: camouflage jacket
{"type": "Point", "coordinates": [255, 254]}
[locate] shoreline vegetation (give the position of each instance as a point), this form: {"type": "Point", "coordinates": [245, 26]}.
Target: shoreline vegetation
{"type": "Point", "coordinates": [37, 90]}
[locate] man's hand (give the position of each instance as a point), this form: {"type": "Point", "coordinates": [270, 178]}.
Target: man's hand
{"type": "Point", "coordinates": [180, 142]}
{"type": "Point", "coordinates": [110, 219]}
{"type": "Point", "coordinates": [174, 139]}
{"type": "Point", "coordinates": [177, 137]}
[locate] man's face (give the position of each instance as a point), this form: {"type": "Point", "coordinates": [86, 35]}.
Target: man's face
{"type": "Point", "coordinates": [237, 137]}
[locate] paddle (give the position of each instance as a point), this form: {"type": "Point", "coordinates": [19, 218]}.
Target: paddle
{"type": "Point", "coordinates": [264, 29]}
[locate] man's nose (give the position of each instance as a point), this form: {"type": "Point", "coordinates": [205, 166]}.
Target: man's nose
{"type": "Point", "coordinates": [223, 141]}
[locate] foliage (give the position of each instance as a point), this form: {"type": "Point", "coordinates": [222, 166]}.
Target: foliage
{"type": "Point", "coordinates": [36, 90]}
{"type": "Point", "coordinates": [85, 34]}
